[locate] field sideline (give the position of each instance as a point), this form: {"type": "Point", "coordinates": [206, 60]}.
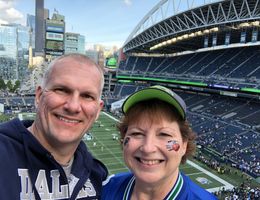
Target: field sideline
{"type": "Point", "coordinates": [103, 142]}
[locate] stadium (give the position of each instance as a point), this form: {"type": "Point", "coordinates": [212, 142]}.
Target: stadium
{"type": "Point", "coordinates": [208, 52]}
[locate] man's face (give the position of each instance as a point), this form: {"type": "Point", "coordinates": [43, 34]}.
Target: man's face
{"type": "Point", "coordinates": [69, 104]}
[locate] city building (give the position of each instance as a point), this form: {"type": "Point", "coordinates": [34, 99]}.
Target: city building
{"type": "Point", "coordinates": [23, 43]}
{"type": "Point", "coordinates": [14, 45]}
{"type": "Point", "coordinates": [54, 41]}
{"type": "Point", "coordinates": [74, 43]}
{"type": "Point", "coordinates": [93, 55]}
{"type": "Point", "coordinates": [39, 27]}
{"type": "Point", "coordinates": [30, 22]}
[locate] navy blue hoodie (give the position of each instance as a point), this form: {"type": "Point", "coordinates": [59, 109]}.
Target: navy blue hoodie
{"type": "Point", "coordinates": [23, 160]}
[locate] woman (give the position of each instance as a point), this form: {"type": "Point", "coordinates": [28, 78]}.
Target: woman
{"type": "Point", "coordinates": [156, 139]}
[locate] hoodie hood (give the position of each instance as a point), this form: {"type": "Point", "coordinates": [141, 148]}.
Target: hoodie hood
{"type": "Point", "coordinates": [29, 160]}
{"type": "Point", "coordinates": [17, 130]}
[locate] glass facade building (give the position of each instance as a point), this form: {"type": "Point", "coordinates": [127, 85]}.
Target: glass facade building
{"type": "Point", "coordinates": [14, 45]}
{"type": "Point", "coordinates": [31, 24]}
{"type": "Point", "coordinates": [74, 43]}
{"type": "Point", "coordinates": [23, 43]}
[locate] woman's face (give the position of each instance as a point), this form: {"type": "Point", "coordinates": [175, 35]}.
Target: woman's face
{"type": "Point", "coordinates": [148, 150]}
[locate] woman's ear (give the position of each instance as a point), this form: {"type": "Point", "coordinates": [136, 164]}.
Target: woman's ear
{"type": "Point", "coordinates": [184, 148]}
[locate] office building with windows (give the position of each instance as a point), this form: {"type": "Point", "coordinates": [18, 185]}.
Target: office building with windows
{"type": "Point", "coordinates": [14, 45]}
{"type": "Point", "coordinates": [30, 22]}
{"type": "Point", "coordinates": [39, 27]}
{"type": "Point", "coordinates": [54, 36]}
{"type": "Point", "coordinates": [74, 43]}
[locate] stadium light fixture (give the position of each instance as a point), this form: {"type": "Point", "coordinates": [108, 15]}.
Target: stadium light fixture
{"type": "Point", "coordinates": [160, 45]}
{"type": "Point", "coordinates": [185, 36]}
{"type": "Point", "coordinates": [233, 27]}
{"type": "Point", "coordinates": [245, 24]}
{"type": "Point", "coordinates": [215, 29]}
{"type": "Point", "coordinates": [174, 39]}
{"type": "Point", "coordinates": [198, 33]}
{"type": "Point", "coordinates": [182, 37]}
{"type": "Point", "coordinates": [192, 35]}
{"type": "Point", "coordinates": [255, 23]}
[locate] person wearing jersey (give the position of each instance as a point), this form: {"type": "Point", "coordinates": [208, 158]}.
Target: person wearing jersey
{"type": "Point", "coordinates": [156, 139]}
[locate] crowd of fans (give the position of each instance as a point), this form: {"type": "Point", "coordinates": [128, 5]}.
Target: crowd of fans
{"type": "Point", "coordinates": [243, 192]}
{"type": "Point", "coordinates": [245, 158]}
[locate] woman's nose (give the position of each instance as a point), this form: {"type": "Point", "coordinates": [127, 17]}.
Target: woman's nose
{"type": "Point", "coordinates": [148, 145]}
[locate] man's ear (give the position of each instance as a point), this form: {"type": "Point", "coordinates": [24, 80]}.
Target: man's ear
{"type": "Point", "coordinates": [38, 94]}
{"type": "Point", "coordinates": [101, 104]}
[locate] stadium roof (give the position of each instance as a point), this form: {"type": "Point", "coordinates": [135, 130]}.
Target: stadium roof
{"type": "Point", "coordinates": [180, 25]}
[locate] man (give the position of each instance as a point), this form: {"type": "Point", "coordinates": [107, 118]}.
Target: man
{"type": "Point", "coordinates": [46, 159]}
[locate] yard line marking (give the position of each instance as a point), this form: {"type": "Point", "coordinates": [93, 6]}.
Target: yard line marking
{"type": "Point", "coordinates": [227, 184]}
{"type": "Point", "coordinates": [111, 152]}
{"type": "Point", "coordinates": [110, 116]}
{"type": "Point", "coordinates": [195, 173]}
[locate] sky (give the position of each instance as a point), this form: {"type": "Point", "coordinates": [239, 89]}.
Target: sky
{"type": "Point", "coordinates": [106, 22]}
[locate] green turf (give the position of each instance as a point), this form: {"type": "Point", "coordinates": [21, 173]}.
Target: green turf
{"type": "Point", "coordinates": [105, 146]}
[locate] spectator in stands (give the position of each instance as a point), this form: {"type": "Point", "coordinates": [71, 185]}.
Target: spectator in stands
{"type": "Point", "coordinates": [156, 139]}
{"type": "Point", "coordinates": [46, 159]}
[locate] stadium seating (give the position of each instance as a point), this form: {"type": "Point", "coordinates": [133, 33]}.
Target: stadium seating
{"type": "Point", "coordinates": [225, 125]}
{"type": "Point", "coordinates": [237, 67]}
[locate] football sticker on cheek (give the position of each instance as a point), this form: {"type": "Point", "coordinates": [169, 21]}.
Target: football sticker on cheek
{"type": "Point", "coordinates": [126, 141]}
{"type": "Point", "coordinates": [172, 145]}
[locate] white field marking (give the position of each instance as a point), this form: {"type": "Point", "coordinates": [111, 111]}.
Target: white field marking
{"type": "Point", "coordinates": [185, 167]}
{"type": "Point", "coordinates": [116, 158]}
{"type": "Point", "coordinates": [195, 173]}
{"type": "Point", "coordinates": [110, 116]}
{"type": "Point", "coordinates": [227, 186]}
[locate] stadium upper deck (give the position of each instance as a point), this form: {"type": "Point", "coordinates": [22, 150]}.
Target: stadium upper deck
{"type": "Point", "coordinates": [180, 25]}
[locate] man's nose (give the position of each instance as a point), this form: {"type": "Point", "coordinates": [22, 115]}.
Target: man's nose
{"type": "Point", "coordinates": [73, 103]}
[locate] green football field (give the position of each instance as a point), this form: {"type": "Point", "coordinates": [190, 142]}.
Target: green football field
{"type": "Point", "coordinates": [103, 142]}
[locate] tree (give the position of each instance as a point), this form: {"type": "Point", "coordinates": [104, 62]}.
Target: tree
{"type": "Point", "coordinates": [9, 85]}
{"type": "Point", "coordinates": [16, 85]}
{"type": "Point", "coordinates": [2, 84]}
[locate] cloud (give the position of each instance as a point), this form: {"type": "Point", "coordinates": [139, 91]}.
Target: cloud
{"type": "Point", "coordinates": [14, 14]}
{"type": "Point", "coordinates": [3, 21]}
{"type": "Point", "coordinates": [128, 2]}
{"type": "Point", "coordinates": [4, 4]}
{"type": "Point", "coordinates": [8, 14]}
{"type": "Point", "coordinates": [90, 45]}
